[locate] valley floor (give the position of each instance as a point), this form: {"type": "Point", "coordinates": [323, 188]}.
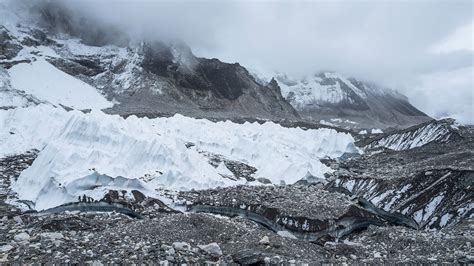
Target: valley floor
{"type": "Point", "coordinates": [168, 236]}
{"type": "Point", "coordinates": [199, 238]}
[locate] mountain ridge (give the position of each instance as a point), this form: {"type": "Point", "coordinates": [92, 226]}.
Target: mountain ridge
{"type": "Point", "coordinates": [330, 97]}
{"type": "Point", "coordinates": [157, 78]}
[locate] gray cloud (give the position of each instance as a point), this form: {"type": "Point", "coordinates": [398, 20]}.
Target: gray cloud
{"type": "Point", "coordinates": [389, 42]}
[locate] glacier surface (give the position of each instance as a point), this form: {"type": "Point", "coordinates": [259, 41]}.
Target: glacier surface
{"type": "Point", "coordinates": [94, 152]}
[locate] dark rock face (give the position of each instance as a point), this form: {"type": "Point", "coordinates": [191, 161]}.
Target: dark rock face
{"type": "Point", "coordinates": [223, 80]}
{"type": "Point", "coordinates": [198, 87]}
{"type": "Point", "coordinates": [9, 46]}
{"type": "Point", "coordinates": [156, 78]}
{"type": "Point", "coordinates": [213, 87]}
{"type": "Point", "coordinates": [227, 81]}
{"type": "Point", "coordinates": [157, 58]}
{"type": "Point", "coordinates": [78, 66]}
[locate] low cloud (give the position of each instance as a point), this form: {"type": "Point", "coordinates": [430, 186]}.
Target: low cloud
{"type": "Point", "coordinates": [412, 46]}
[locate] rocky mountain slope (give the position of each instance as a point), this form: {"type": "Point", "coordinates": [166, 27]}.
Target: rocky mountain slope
{"type": "Point", "coordinates": [146, 78]}
{"type": "Point", "coordinates": [440, 131]}
{"type": "Point", "coordinates": [348, 102]}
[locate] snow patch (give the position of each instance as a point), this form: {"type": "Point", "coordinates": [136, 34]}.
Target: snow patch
{"type": "Point", "coordinates": [349, 185]}
{"type": "Point", "coordinates": [376, 131]}
{"type": "Point", "coordinates": [425, 213]}
{"type": "Point", "coordinates": [50, 84]}
{"type": "Point", "coordinates": [376, 200]}
{"type": "Point", "coordinates": [445, 219]}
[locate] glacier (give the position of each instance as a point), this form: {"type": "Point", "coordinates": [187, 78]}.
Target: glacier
{"type": "Point", "coordinates": [92, 153]}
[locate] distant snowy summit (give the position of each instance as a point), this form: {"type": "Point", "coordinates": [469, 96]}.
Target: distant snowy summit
{"type": "Point", "coordinates": [333, 99]}
{"type": "Point", "coordinates": [54, 57]}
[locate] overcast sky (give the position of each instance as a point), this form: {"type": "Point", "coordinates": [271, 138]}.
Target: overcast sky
{"type": "Point", "coordinates": [424, 49]}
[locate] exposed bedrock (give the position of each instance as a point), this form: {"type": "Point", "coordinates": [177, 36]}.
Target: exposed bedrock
{"type": "Point", "coordinates": [9, 45]}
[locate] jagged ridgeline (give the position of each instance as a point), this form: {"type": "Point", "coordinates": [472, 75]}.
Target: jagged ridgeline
{"type": "Point", "coordinates": [160, 77]}
{"type": "Point", "coordinates": [152, 77]}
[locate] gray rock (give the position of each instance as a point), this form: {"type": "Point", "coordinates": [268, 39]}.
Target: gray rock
{"type": "Point", "coordinates": [248, 256]}
{"type": "Point", "coordinates": [265, 241]}
{"type": "Point", "coordinates": [5, 248]}
{"type": "Point", "coordinates": [18, 219]}
{"type": "Point", "coordinates": [22, 237]}
{"type": "Point", "coordinates": [181, 246]}
{"type": "Point", "coordinates": [52, 236]}
{"type": "Point", "coordinates": [264, 180]}
{"type": "Point", "coordinates": [170, 251]}
{"type": "Point", "coordinates": [212, 248]}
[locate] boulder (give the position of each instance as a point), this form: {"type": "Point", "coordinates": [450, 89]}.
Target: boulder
{"type": "Point", "coordinates": [21, 237]}
{"type": "Point", "coordinates": [212, 249]}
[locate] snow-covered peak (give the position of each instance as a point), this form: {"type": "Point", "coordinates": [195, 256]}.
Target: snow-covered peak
{"type": "Point", "coordinates": [326, 96]}
{"type": "Point", "coordinates": [323, 88]}
{"type": "Point", "coordinates": [320, 89]}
